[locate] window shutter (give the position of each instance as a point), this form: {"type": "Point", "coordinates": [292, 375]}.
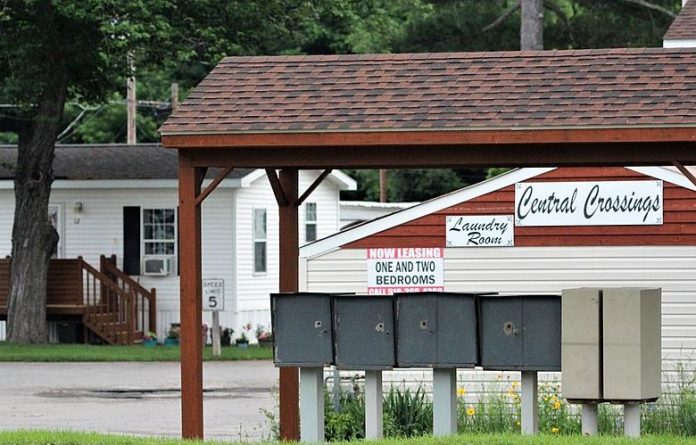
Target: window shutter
{"type": "Point", "coordinates": [131, 240]}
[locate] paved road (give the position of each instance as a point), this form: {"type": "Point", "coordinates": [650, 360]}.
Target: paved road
{"type": "Point", "coordinates": [135, 398]}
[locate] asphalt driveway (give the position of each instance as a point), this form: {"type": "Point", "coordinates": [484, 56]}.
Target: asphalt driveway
{"type": "Point", "coordinates": [136, 398]}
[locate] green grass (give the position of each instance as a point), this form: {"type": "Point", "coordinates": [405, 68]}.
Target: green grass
{"type": "Point", "coordinates": [71, 438]}
{"type": "Point", "coordinates": [99, 353]}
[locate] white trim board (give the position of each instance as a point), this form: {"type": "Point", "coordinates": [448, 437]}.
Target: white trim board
{"type": "Point", "coordinates": [680, 43]}
{"type": "Point", "coordinates": [366, 229]}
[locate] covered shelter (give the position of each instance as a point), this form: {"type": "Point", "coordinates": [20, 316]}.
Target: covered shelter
{"type": "Point", "coordinates": [551, 108]}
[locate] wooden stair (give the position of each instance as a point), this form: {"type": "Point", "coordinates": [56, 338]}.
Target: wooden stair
{"type": "Point", "coordinates": [119, 310]}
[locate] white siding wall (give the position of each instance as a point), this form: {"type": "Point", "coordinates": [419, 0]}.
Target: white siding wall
{"type": "Point", "coordinates": [253, 289]}
{"type": "Point", "coordinates": [547, 270]}
{"type": "Point", "coordinates": [98, 230]}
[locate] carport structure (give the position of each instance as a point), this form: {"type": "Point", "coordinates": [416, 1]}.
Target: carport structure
{"type": "Point", "coordinates": [551, 108]}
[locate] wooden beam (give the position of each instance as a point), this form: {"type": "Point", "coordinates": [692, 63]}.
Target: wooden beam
{"type": "Point", "coordinates": [540, 155]}
{"type": "Point", "coordinates": [289, 282]}
{"type": "Point", "coordinates": [685, 171]}
{"type": "Point", "coordinates": [213, 185]}
{"type": "Point", "coordinates": [277, 188]}
{"type": "Point", "coordinates": [451, 137]}
{"type": "Point", "coordinates": [313, 187]}
{"type": "Point", "coordinates": [191, 309]}
{"type": "Point", "coordinates": [201, 177]}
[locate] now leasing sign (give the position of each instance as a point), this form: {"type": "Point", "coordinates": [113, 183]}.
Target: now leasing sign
{"type": "Point", "coordinates": [610, 203]}
{"type": "Point", "coordinates": [412, 269]}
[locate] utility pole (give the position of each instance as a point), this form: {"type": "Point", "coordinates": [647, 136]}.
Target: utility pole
{"type": "Point", "coordinates": [383, 189]}
{"type": "Point", "coordinates": [532, 26]}
{"type": "Point", "coordinates": [175, 96]}
{"type": "Point", "coordinates": [131, 105]}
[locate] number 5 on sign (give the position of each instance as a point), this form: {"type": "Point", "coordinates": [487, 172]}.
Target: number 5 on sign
{"type": "Point", "coordinates": [213, 294]}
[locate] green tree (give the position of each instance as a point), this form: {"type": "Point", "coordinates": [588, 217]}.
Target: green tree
{"type": "Point", "coordinates": [56, 51]}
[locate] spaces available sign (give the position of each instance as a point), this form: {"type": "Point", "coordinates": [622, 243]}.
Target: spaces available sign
{"type": "Point", "coordinates": [600, 203]}
{"type": "Point", "coordinates": [405, 269]}
{"type": "Point", "coordinates": [480, 231]}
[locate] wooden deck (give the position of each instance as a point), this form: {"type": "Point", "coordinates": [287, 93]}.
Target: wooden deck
{"type": "Point", "coordinates": [109, 303]}
{"type": "Point", "coordinates": [64, 288]}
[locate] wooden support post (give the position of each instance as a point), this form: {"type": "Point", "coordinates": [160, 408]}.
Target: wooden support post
{"type": "Point", "coordinates": [589, 419]}
{"type": "Point", "coordinates": [444, 401]}
{"type": "Point", "coordinates": [190, 303]}
{"type": "Point", "coordinates": [632, 419]}
{"type": "Point", "coordinates": [530, 404]}
{"type": "Point", "coordinates": [312, 393]}
{"type": "Point", "coordinates": [373, 405]}
{"type": "Point", "coordinates": [289, 282]}
{"type": "Point", "coordinates": [217, 347]}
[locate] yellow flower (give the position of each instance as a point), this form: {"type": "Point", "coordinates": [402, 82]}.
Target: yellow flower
{"type": "Point", "coordinates": [555, 430]}
{"type": "Point", "coordinates": [470, 411]}
{"type": "Point", "coordinates": [518, 423]}
{"type": "Point", "coordinates": [461, 391]}
{"type": "Point", "coordinates": [557, 405]}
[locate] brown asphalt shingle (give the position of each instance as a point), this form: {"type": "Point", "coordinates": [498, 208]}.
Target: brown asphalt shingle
{"type": "Point", "coordinates": [684, 26]}
{"type": "Point", "coordinates": [595, 88]}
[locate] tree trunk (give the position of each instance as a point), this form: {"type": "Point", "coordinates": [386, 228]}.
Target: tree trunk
{"type": "Point", "coordinates": [532, 26]}
{"type": "Point", "coordinates": [33, 237]}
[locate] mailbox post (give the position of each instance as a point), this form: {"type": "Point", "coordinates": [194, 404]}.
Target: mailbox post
{"type": "Point", "coordinates": [303, 337]}
{"type": "Point", "coordinates": [438, 330]}
{"type": "Point", "coordinates": [522, 333]}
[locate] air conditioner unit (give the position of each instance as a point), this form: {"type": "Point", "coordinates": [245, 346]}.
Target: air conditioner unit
{"type": "Point", "coordinates": [157, 266]}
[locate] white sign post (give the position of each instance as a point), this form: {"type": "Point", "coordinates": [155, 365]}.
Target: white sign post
{"type": "Point", "coordinates": [591, 203]}
{"type": "Point", "coordinates": [480, 231]}
{"type": "Point", "coordinates": [400, 269]}
{"type": "Point", "coordinates": [214, 301]}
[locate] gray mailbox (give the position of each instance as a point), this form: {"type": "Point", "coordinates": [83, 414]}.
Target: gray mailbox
{"type": "Point", "coordinates": [521, 332]}
{"type": "Point", "coordinates": [436, 329]}
{"type": "Point", "coordinates": [302, 334]}
{"type": "Point", "coordinates": [364, 331]}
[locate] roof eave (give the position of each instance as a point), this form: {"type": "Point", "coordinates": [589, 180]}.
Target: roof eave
{"type": "Point", "coordinates": [439, 136]}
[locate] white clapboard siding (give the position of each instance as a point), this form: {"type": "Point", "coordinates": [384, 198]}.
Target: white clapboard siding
{"type": "Point", "coordinates": [549, 270]}
{"type": "Point", "coordinates": [254, 289]}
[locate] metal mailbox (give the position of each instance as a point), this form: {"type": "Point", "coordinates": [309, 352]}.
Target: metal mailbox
{"type": "Point", "coordinates": [302, 332]}
{"type": "Point", "coordinates": [436, 329]}
{"type": "Point", "coordinates": [364, 332]}
{"type": "Point", "coordinates": [521, 332]}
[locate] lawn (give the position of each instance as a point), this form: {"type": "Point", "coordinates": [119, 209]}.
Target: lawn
{"type": "Point", "coordinates": [69, 438]}
{"type": "Point", "coordinates": [99, 353]}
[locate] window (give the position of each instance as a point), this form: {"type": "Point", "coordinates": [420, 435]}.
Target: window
{"type": "Point", "coordinates": [310, 221]}
{"type": "Point", "coordinates": [259, 235]}
{"type": "Point", "coordinates": [159, 232]}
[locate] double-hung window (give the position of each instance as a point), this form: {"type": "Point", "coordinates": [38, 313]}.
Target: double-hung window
{"type": "Point", "coordinates": [260, 241]}
{"type": "Point", "coordinates": [310, 221]}
{"type": "Point", "coordinates": [159, 235]}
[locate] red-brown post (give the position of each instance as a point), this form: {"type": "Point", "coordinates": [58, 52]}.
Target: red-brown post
{"type": "Point", "coordinates": [190, 303]}
{"type": "Point", "coordinates": [289, 282]}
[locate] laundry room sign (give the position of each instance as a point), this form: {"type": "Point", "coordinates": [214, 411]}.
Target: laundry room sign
{"type": "Point", "coordinates": [479, 231]}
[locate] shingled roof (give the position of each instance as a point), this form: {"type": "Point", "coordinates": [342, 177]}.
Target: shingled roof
{"type": "Point", "coordinates": [107, 161]}
{"type": "Point", "coordinates": [451, 91]}
{"type": "Point", "coordinates": [684, 26]}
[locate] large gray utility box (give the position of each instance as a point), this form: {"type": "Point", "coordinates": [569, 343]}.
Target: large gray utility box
{"type": "Point", "coordinates": [632, 344]}
{"type": "Point", "coordinates": [521, 332]}
{"type": "Point", "coordinates": [364, 336]}
{"type": "Point", "coordinates": [436, 329]}
{"type": "Point", "coordinates": [302, 334]}
{"type": "Point", "coordinates": [581, 344]}
{"type": "Point", "coordinates": [611, 344]}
